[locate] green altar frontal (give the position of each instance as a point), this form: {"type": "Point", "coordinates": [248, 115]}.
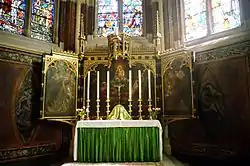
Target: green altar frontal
{"type": "Point", "coordinates": [118, 141]}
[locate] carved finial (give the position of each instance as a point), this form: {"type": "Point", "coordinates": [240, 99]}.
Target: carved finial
{"type": "Point", "coordinates": [119, 46]}
{"type": "Point", "coordinates": [157, 24]}
{"type": "Point", "coordinates": [157, 32]}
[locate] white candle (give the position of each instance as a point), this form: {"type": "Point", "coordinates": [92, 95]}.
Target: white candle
{"type": "Point", "coordinates": [107, 84]}
{"type": "Point", "coordinates": [139, 76]}
{"type": "Point", "coordinates": [88, 84]}
{"type": "Point", "coordinates": [194, 56]}
{"type": "Point", "coordinates": [130, 85]}
{"type": "Point", "coordinates": [98, 85]}
{"type": "Point", "coordinates": [149, 84]}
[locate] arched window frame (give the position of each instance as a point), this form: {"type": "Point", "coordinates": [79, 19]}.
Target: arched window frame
{"type": "Point", "coordinates": [120, 15]}
{"type": "Point", "coordinates": [27, 22]}
{"type": "Point", "coordinates": [210, 35]}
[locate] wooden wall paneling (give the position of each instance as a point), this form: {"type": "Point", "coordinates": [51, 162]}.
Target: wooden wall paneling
{"type": "Point", "coordinates": [22, 135]}
{"type": "Point", "coordinates": [222, 95]}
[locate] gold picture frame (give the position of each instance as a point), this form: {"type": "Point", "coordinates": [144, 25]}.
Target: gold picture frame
{"type": "Point", "coordinates": [177, 86]}
{"type": "Point", "coordinates": [59, 86]}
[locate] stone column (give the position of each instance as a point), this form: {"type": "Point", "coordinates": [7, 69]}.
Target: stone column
{"type": "Point", "coordinates": [174, 23]}
{"type": "Point", "coordinates": [158, 24]}
{"type": "Point", "coordinates": [161, 25]}
{"type": "Point", "coordinates": [170, 7]}
{"type": "Point", "coordinates": [182, 22]}
{"type": "Point", "coordinates": [148, 20]}
{"type": "Point", "coordinates": [56, 22]}
{"type": "Point", "coordinates": [155, 22]}
{"type": "Point", "coordinates": [77, 27]}
{"type": "Point", "coordinates": [28, 16]}
{"type": "Point", "coordinates": [95, 4]}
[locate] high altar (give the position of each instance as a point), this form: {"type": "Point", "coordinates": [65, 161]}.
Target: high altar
{"type": "Point", "coordinates": [112, 94]}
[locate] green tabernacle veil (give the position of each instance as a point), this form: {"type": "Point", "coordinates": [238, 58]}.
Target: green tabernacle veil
{"type": "Point", "coordinates": [119, 113]}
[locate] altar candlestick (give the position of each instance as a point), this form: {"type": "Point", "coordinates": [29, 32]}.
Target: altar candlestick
{"type": "Point", "coordinates": [139, 77]}
{"type": "Point", "coordinates": [108, 89]}
{"type": "Point", "coordinates": [149, 84]}
{"type": "Point", "coordinates": [98, 85]}
{"type": "Point", "coordinates": [107, 84]}
{"type": "Point", "coordinates": [130, 85]}
{"type": "Point", "coordinates": [88, 85]}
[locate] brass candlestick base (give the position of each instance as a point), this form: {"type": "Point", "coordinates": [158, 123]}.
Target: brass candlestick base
{"type": "Point", "coordinates": [98, 109]}
{"type": "Point", "coordinates": [150, 109]}
{"type": "Point", "coordinates": [130, 106]}
{"type": "Point", "coordinates": [87, 109]}
{"type": "Point", "coordinates": [108, 106]}
{"type": "Point", "coordinates": [140, 108]}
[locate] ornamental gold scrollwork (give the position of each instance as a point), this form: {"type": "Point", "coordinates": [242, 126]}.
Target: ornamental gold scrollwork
{"type": "Point", "coordinates": [166, 62]}
{"type": "Point", "coordinates": [60, 86]}
{"type": "Point", "coordinates": [69, 59]}
{"type": "Point", "coordinates": [90, 65]}
{"type": "Point", "coordinates": [70, 65]}
{"type": "Point", "coordinates": [177, 67]}
{"type": "Point", "coordinates": [150, 64]}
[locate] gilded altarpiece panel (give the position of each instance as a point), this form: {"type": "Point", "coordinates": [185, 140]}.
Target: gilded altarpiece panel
{"type": "Point", "coordinates": [60, 82]}
{"type": "Point", "coordinates": [119, 85]}
{"type": "Point", "coordinates": [177, 85]}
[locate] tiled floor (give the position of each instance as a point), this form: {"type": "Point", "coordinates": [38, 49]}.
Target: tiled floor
{"type": "Point", "coordinates": [167, 161]}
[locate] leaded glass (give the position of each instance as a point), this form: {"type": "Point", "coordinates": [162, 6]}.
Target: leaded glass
{"type": "Point", "coordinates": [12, 14]}
{"type": "Point", "coordinates": [42, 19]}
{"type": "Point", "coordinates": [132, 17]}
{"type": "Point", "coordinates": [107, 17]}
{"type": "Point", "coordinates": [195, 19]}
{"type": "Point", "coordinates": [226, 15]}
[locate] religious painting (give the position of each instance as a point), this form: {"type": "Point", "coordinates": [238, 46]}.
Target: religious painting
{"type": "Point", "coordinates": [144, 89]}
{"type": "Point", "coordinates": [177, 90]}
{"type": "Point", "coordinates": [119, 87]}
{"type": "Point", "coordinates": [60, 87]}
{"type": "Point", "coordinates": [119, 82]}
{"type": "Point", "coordinates": [102, 69]}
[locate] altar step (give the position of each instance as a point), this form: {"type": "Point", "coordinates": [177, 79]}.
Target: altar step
{"type": "Point", "coordinates": [167, 161]}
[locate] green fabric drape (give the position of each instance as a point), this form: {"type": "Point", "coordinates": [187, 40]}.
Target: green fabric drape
{"type": "Point", "coordinates": [122, 144]}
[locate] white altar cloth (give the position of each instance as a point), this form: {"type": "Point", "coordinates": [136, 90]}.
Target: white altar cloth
{"type": "Point", "coordinates": [116, 123]}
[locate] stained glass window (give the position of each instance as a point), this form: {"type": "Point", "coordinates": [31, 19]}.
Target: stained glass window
{"type": "Point", "coordinates": [42, 19]}
{"type": "Point", "coordinates": [12, 14]}
{"type": "Point", "coordinates": [132, 17]}
{"type": "Point", "coordinates": [226, 14]}
{"type": "Point", "coordinates": [195, 19]}
{"type": "Point", "coordinates": [107, 17]}
{"type": "Point", "coordinates": [200, 14]}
